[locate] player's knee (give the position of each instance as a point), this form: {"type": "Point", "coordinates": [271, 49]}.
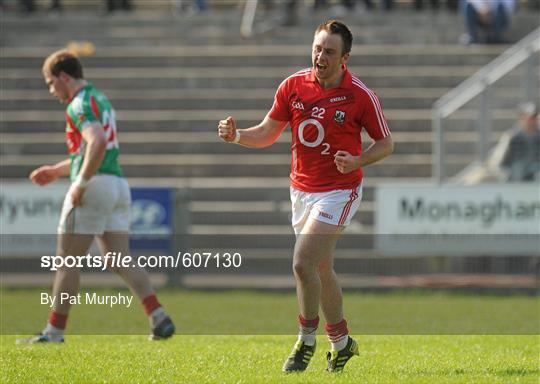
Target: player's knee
{"type": "Point", "coordinates": [115, 269]}
{"type": "Point", "coordinates": [64, 271]}
{"type": "Point", "coordinates": [325, 270]}
{"type": "Point", "coordinates": [303, 269]}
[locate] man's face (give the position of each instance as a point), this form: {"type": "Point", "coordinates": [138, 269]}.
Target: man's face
{"type": "Point", "coordinates": [57, 86]}
{"type": "Point", "coordinates": [327, 55]}
{"type": "Point", "coordinates": [529, 123]}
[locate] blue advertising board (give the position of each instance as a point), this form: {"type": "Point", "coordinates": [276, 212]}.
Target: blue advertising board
{"type": "Point", "coordinates": [151, 219]}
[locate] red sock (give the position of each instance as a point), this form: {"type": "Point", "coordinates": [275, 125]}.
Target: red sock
{"type": "Point", "coordinates": [58, 320]}
{"type": "Point", "coordinates": [308, 323]}
{"type": "Point", "coordinates": [337, 332]}
{"type": "Point", "coordinates": [150, 303]}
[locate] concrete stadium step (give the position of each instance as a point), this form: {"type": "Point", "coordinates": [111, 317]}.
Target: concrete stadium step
{"type": "Point", "coordinates": [268, 55]}
{"type": "Point", "coordinates": [268, 237]}
{"type": "Point", "coordinates": [399, 120]}
{"type": "Point", "coordinates": [251, 189]}
{"type": "Point", "coordinates": [403, 147]}
{"type": "Point", "coordinates": [408, 123]}
{"type": "Point", "coordinates": [242, 77]}
{"type": "Point", "coordinates": [395, 98]}
{"type": "Point", "coordinates": [223, 25]}
{"type": "Point", "coordinates": [208, 143]}
{"type": "Point", "coordinates": [255, 213]}
{"type": "Point", "coordinates": [42, 95]}
{"type": "Point", "coordinates": [136, 4]}
{"type": "Point", "coordinates": [214, 115]}
{"type": "Point", "coordinates": [263, 60]}
{"type": "Point", "coordinates": [231, 103]}
{"type": "Point", "coordinates": [242, 189]}
{"type": "Point", "coordinates": [196, 104]}
{"type": "Point", "coordinates": [416, 98]}
{"type": "Point", "coordinates": [246, 165]}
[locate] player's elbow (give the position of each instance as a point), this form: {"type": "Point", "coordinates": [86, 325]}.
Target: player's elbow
{"type": "Point", "coordinates": [389, 145]}
{"type": "Point", "coordinates": [98, 145]}
{"type": "Point", "coordinates": [101, 142]}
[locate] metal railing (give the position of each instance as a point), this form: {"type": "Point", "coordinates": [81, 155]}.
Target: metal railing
{"type": "Point", "coordinates": [480, 86]}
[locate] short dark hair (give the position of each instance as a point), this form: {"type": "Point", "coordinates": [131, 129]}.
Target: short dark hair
{"type": "Point", "coordinates": [339, 28]}
{"type": "Point", "coordinates": [63, 61]}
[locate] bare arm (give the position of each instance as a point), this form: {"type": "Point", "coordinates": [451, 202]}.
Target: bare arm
{"type": "Point", "coordinates": [261, 135]}
{"type": "Point", "coordinates": [378, 150]}
{"type": "Point", "coordinates": [346, 163]}
{"type": "Point", "coordinates": [49, 173]}
{"type": "Point", "coordinates": [96, 145]}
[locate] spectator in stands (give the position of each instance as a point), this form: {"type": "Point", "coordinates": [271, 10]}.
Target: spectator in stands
{"type": "Point", "coordinates": [29, 6]}
{"type": "Point", "coordinates": [521, 153]}
{"type": "Point", "coordinates": [516, 157]}
{"type": "Point", "coordinates": [112, 5]}
{"type": "Point", "coordinates": [350, 4]}
{"type": "Point", "coordinates": [450, 4]}
{"type": "Point", "coordinates": [492, 16]}
{"type": "Point", "coordinates": [291, 13]}
{"type": "Point", "coordinates": [189, 7]}
{"type": "Point", "coordinates": [56, 6]}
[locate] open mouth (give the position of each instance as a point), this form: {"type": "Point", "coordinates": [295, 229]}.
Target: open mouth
{"type": "Point", "coordinates": [321, 67]}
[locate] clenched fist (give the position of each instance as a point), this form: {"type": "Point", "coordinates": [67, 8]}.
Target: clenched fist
{"type": "Point", "coordinates": [44, 175]}
{"type": "Point", "coordinates": [227, 129]}
{"type": "Point", "coordinates": [345, 162]}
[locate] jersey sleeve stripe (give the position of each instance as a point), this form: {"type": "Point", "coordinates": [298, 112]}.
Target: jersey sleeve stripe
{"type": "Point", "coordinates": [380, 117]}
{"type": "Point", "coordinates": [382, 121]}
{"type": "Point", "coordinates": [303, 72]}
{"type": "Point", "coordinates": [378, 109]}
{"type": "Point", "coordinates": [95, 107]}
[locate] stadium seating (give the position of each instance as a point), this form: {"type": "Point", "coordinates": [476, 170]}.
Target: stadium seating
{"type": "Point", "coordinates": [172, 78]}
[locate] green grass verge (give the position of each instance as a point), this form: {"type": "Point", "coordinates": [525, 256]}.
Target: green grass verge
{"type": "Point", "coordinates": [264, 313]}
{"type": "Point", "coordinates": [223, 337]}
{"type": "Point", "coordinates": [258, 359]}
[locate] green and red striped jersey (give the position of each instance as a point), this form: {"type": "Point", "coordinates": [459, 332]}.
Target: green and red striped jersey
{"type": "Point", "coordinates": [91, 106]}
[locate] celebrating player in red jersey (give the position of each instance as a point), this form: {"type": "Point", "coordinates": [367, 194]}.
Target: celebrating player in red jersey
{"type": "Point", "coordinates": [326, 108]}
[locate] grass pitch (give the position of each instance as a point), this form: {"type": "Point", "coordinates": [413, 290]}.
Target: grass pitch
{"type": "Point", "coordinates": [400, 356]}
{"type": "Point", "coordinates": [258, 359]}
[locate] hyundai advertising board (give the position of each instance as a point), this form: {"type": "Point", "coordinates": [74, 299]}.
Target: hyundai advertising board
{"type": "Point", "coordinates": [151, 219]}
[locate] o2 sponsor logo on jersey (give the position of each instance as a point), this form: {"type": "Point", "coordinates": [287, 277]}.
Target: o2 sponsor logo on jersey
{"type": "Point", "coordinates": [316, 113]}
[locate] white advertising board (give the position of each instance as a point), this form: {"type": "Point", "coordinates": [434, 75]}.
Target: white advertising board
{"type": "Point", "coordinates": [450, 219]}
{"type": "Point", "coordinates": [29, 217]}
{"type": "Point", "coordinates": [27, 209]}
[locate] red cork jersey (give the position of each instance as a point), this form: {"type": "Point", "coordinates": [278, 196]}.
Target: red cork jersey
{"type": "Point", "coordinates": [324, 121]}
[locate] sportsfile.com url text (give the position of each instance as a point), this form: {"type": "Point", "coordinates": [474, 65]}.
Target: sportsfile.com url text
{"type": "Point", "coordinates": [114, 260]}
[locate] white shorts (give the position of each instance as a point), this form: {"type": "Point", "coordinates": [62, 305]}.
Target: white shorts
{"type": "Point", "coordinates": [335, 207]}
{"type": "Point", "coordinates": [105, 207]}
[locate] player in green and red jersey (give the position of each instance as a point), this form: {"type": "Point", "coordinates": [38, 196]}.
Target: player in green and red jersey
{"type": "Point", "coordinates": [97, 205]}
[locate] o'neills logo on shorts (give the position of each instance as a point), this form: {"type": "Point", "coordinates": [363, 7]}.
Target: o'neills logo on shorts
{"type": "Point", "coordinates": [326, 215]}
